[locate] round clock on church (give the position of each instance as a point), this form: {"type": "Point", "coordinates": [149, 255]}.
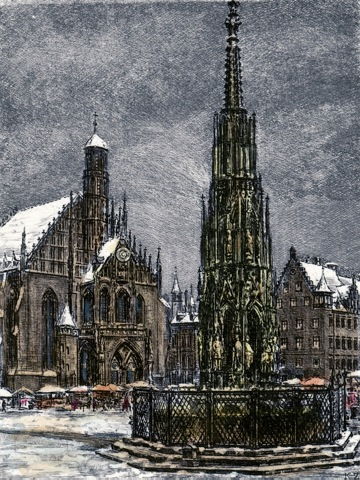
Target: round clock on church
{"type": "Point", "coordinates": [123, 254]}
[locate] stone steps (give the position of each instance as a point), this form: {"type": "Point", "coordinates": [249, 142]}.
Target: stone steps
{"type": "Point", "coordinates": [340, 444]}
{"type": "Point", "coordinates": [144, 464]}
{"type": "Point", "coordinates": [145, 455]}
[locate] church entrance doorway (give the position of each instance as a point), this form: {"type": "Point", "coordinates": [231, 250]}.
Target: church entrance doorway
{"type": "Point", "coordinates": [126, 366]}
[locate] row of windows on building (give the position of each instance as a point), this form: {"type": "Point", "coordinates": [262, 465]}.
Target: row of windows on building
{"type": "Point", "coordinates": [340, 344]}
{"type": "Point", "coordinates": [298, 287]}
{"type": "Point", "coordinates": [340, 363]}
{"type": "Point", "coordinates": [294, 302]}
{"type": "Point", "coordinates": [299, 343]}
{"type": "Point", "coordinates": [342, 322]}
{"type": "Point", "coordinates": [122, 307]}
{"type": "Point", "coordinates": [349, 323]}
{"type": "Point", "coordinates": [299, 324]}
{"type": "Point", "coordinates": [344, 343]}
{"type": "Point", "coordinates": [299, 362]}
{"type": "Point", "coordinates": [319, 301]}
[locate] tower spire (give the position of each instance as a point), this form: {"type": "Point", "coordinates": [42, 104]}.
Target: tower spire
{"type": "Point", "coordinates": [124, 219]}
{"type": "Point", "coordinates": [176, 287]}
{"type": "Point", "coordinates": [203, 210]}
{"type": "Point", "coordinates": [95, 121]}
{"type": "Point", "coordinates": [159, 272]}
{"type": "Point", "coordinates": [233, 78]}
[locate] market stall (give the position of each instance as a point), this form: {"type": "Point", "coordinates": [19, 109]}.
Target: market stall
{"type": "Point", "coordinates": [50, 396]}
{"type": "Point", "coordinates": [5, 398]}
{"type": "Point", "coordinates": [24, 398]}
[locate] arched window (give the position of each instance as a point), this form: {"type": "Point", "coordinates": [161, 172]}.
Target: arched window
{"type": "Point", "coordinates": [88, 308]}
{"type": "Point", "coordinates": [123, 307]}
{"type": "Point", "coordinates": [140, 309]}
{"type": "Point", "coordinates": [49, 313]}
{"type": "Point", "coordinates": [104, 305]}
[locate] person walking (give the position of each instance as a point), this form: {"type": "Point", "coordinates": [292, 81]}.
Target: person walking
{"type": "Point", "coordinates": [352, 403]}
{"type": "Point", "coordinates": [126, 404]}
{"type": "Point", "coordinates": [3, 405]}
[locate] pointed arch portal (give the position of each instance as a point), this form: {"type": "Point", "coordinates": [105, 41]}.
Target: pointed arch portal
{"type": "Point", "coordinates": [125, 366]}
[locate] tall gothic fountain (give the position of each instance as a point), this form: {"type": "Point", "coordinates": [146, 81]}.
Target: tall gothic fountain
{"type": "Point", "coordinates": [238, 337]}
{"type": "Point", "coordinates": [238, 405]}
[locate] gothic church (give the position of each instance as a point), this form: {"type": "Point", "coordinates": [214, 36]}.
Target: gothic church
{"type": "Point", "coordinates": [80, 303]}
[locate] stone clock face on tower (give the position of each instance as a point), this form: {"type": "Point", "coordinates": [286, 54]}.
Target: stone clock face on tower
{"type": "Point", "coordinates": [123, 254]}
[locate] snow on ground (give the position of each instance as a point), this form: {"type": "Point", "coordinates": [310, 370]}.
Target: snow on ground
{"type": "Point", "coordinates": [79, 422]}
{"type": "Point", "coordinates": [51, 452]}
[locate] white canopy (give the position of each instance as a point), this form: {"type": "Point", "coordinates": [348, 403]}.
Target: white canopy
{"type": "Point", "coordinates": [292, 381]}
{"type": "Point", "coordinates": [354, 374]}
{"type": "Point", "coordinates": [79, 389]}
{"type": "Point", "coordinates": [51, 389]}
{"type": "Point", "coordinates": [5, 393]}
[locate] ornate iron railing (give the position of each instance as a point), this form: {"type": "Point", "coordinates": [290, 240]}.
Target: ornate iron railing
{"type": "Point", "coordinates": [255, 418]}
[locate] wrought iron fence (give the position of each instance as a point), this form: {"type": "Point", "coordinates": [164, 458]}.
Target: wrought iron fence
{"type": "Point", "coordinates": [244, 418]}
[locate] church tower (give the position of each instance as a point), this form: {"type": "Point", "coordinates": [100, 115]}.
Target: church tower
{"type": "Point", "coordinates": [96, 193]}
{"type": "Point", "coordinates": [238, 334]}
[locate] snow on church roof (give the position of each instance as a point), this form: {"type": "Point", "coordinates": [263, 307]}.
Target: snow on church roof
{"type": "Point", "coordinates": [96, 141]}
{"type": "Point", "coordinates": [34, 220]}
{"type": "Point", "coordinates": [108, 248]}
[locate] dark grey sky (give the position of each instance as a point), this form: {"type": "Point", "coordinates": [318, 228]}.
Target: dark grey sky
{"type": "Point", "coordinates": [154, 73]}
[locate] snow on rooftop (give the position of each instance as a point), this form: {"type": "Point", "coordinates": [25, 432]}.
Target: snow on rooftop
{"type": "Point", "coordinates": [185, 318]}
{"type": "Point", "coordinates": [337, 284]}
{"type": "Point", "coordinates": [96, 141]}
{"type": "Point", "coordinates": [66, 318]}
{"type": "Point", "coordinates": [34, 220]}
{"type": "Point", "coordinates": [343, 290]}
{"type": "Point", "coordinates": [314, 272]}
{"type": "Point", "coordinates": [108, 248]}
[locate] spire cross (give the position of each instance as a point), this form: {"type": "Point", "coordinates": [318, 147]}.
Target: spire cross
{"type": "Point", "coordinates": [95, 121]}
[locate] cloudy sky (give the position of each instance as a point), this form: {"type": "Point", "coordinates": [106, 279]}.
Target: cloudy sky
{"type": "Point", "coordinates": [154, 73]}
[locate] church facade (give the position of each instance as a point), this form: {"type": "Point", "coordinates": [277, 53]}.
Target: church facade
{"type": "Point", "coordinates": [238, 329]}
{"type": "Point", "coordinates": [80, 302]}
